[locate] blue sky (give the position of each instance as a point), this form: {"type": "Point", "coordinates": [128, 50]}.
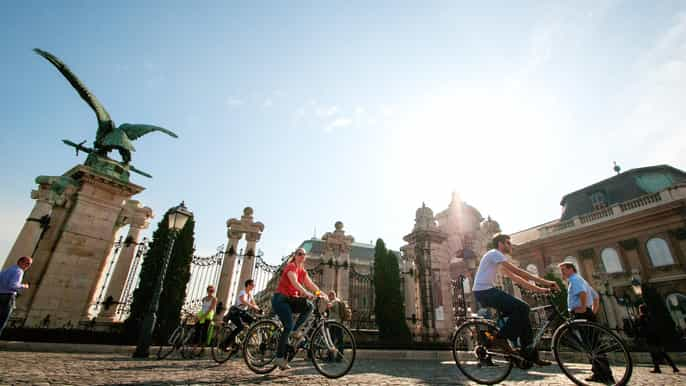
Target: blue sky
{"type": "Point", "coordinates": [314, 112]}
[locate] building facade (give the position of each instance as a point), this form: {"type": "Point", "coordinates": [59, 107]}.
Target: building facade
{"type": "Point", "coordinates": [627, 229]}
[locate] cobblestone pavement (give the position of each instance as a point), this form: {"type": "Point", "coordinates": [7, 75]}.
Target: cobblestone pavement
{"type": "Point", "coordinates": [115, 369]}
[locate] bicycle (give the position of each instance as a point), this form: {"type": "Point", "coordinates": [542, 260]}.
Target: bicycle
{"type": "Point", "coordinates": [222, 350]}
{"type": "Point", "coordinates": [579, 347]}
{"type": "Point", "coordinates": [178, 338]}
{"type": "Point", "coordinates": [329, 344]}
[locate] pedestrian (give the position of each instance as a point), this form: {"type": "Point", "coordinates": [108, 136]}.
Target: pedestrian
{"type": "Point", "coordinates": [648, 330]}
{"type": "Point", "coordinates": [336, 309]}
{"type": "Point", "coordinates": [583, 302]}
{"type": "Point", "coordinates": [10, 284]}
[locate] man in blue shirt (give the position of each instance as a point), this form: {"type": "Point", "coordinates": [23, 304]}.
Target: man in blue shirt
{"type": "Point", "coordinates": [583, 303]}
{"type": "Point", "coordinates": [10, 284]}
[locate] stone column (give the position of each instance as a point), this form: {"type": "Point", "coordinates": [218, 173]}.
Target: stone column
{"type": "Point", "coordinates": [30, 233]}
{"type": "Point", "coordinates": [139, 218]}
{"type": "Point", "coordinates": [78, 258]}
{"type": "Point", "coordinates": [410, 291]}
{"type": "Point", "coordinates": [59, 191]}
{"type": "Point", "coordinates": [226, 277]}
{"type": "Point", "coordinates": [248, 266]}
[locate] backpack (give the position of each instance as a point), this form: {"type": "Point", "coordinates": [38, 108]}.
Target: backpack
{"type": "Point", "coordinates": [346, 312]}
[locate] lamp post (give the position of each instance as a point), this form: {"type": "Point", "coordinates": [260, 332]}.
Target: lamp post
{"type": "Point", "coordinates": [177, 220]}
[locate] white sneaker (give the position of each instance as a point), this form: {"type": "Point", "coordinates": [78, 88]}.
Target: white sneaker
{"type": "Point", "coordinates": [297, 338]}
{"type": "Point", "coordinates": [282, 363]}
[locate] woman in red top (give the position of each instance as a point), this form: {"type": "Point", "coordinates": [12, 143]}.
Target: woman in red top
{"type": "Point", "coordinates": [291, 297]}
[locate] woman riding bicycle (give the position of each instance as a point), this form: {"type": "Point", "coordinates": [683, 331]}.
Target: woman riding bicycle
{"type": "Point", "coordinates": [206, 314]}
{"type": "Point", "coordinates": [292, 296]}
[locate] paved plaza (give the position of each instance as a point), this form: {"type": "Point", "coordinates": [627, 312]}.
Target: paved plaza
{"type": "Point", "coordinates": [40, 368]}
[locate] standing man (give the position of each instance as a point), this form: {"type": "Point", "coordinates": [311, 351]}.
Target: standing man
{"type": "Point", "coordinates": [518, 324]}
{"type": "Point", "coordinates": [10, 284]}
{"type": "Point", "coordinates": [583, 303]}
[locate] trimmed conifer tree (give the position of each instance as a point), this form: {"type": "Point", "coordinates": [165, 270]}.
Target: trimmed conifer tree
{"type": "Point", "coordinates": [175, 281]}
{"type": "Point", "coordinates": [389, 304]}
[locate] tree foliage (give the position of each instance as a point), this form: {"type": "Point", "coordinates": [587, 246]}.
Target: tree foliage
{"type": "Point", "coordinates": [389, 306]}
{"type": "Point", "coordinates": [175, 281]}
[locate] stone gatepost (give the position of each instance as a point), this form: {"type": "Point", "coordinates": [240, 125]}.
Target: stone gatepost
{"type": "Point", "coordinates": [138, 217]}
{"type": "Point", "coordinates": [34, 227]}
{"type": "Point", "coordinates": [337, 248]}
{"type": "Point", "coordinates": [231, 276]}
{"type": "Point", "coordinates": [75, 247]}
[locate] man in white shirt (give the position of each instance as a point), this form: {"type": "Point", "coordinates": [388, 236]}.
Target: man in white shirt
{"type": "Point", "coordinates": [485, 292]}
{"type": "Point", "coordinates": [238, 313]}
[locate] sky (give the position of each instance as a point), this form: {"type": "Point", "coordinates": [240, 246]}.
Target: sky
{"type": "Point", "coordinates": [314, 112]}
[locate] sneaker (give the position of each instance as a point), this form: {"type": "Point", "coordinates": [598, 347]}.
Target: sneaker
{"type": "Point", "coordinates": [282, 363]}
{"type": "Point", "coordinates": [532, 355]}
{"type": "Point", "coordinates": [656, 371]}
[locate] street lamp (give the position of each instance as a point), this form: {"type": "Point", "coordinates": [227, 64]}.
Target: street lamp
{"type": "Point", "coordinates": [177, 220]}
{"type": "Point", "coordinates": [636, 286]}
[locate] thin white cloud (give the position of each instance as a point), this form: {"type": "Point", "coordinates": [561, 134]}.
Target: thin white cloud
{"type": "Point", "coordinates": [338, 123]}
{"type": "Point", "coordinates": [234, 102]}
{"type": "Point", "coordinates": [268, 103]}
{"type": "Point", "coordinates": [326, 111]}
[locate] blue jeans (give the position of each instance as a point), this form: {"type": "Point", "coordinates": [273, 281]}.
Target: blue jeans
{"type": "Point", "coordinates": [283, 310]}
{"type": "Point", "coordinates": [518, 324]}
{"type": "Point", "coordinates": [6, 306]}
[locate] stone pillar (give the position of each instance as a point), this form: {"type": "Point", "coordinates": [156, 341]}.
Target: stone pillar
{"type": "Point", "coordinates": [30, 233]}
{"type": "Point", "coordinates": [248, 267]}
{"type": "Point", "coordinates": [77, 259]}
{"type": "Point", "coordinates": [410, 289]}
{"type": "Point", "coordinates": [228, 268]}
{"type": "Point", "coordinates": [59, 193]}
{"type": "Point", "coordinates": [139, 218]}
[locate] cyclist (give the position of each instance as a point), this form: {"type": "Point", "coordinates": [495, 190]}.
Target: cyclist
{"type": "Point", "coordinates": [517, 311]}
{"type": "Point", "coordinates": [292, 296]}
{"type": "Point", "coordinates": [206, 313]}
{"type": "Point", "coordinates": [238, 313]}
{"type": "Point", "coordinates": [583, 302]}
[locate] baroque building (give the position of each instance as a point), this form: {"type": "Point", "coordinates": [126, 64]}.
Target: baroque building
{"type": "Point", "coordinates": [439, 250]}
{"type": "Point", "coordinates": [624, 230]}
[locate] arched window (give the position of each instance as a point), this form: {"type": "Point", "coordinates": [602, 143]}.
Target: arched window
{"type": "Point", "coordinates": [611, 261]}
{"type": "Point", "coordinates": [676, 304]}
{"type": "Point", "coordinates": [659, 253]}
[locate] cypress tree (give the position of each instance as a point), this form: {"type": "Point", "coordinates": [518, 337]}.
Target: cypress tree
{"type": "Point", "coordinates": [389, 305]}
{"type": "Point", "coordinates": [175, 281]}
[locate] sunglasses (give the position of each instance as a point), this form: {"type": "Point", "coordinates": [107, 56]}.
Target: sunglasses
{"type": "Point", "coordinates": [300, 254]}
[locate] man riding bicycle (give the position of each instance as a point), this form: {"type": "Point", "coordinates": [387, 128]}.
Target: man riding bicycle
{"type": "Point", "coordinates": [517, 311]}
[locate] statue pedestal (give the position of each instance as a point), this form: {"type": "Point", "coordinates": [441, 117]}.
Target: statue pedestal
{"type": "Point", "coordinates": [76, 248]}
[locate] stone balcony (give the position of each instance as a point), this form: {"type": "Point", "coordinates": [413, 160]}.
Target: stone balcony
{"type": "Point", "coordinates": [674, 193]}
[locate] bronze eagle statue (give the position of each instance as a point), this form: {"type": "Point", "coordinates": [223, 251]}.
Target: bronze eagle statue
{"type": "Point", "coordinates": [109, 136]}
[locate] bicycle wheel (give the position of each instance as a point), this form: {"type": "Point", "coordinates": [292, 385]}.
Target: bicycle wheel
{"type": "Point", "coordinates": [584, 349]}
{"type": "Point", "coordinates": [192, 346]}
{"type": "Point", "coordinates": [333, 349]}
{"type": "Point", "coordinates": [474, 355]}
{"type": "Point", "coordinates": [222, 350]}
{"type": "Point", "coordinates": [171, 344]}
{"type": "Point", "coordinates": [259, 346]}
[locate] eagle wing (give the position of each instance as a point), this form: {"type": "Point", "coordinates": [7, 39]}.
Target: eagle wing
{"type": "Point", "coordinates": [135, 131]}
{"type": "Point", "coordinates": [104, 120]}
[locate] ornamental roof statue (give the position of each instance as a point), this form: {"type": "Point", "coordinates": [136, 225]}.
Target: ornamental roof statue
{"type": "Point", "coordinates": [108, 136]}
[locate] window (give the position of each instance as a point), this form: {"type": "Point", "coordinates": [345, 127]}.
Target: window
{"type": "Point", "coordinates": [611, 262]}
{"type": "Point", "coordinates": [676, 304]}
{"type": "Point", "coordinates": [659, 253]}
{"type": "Point", "coordinates": [598, 200]}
